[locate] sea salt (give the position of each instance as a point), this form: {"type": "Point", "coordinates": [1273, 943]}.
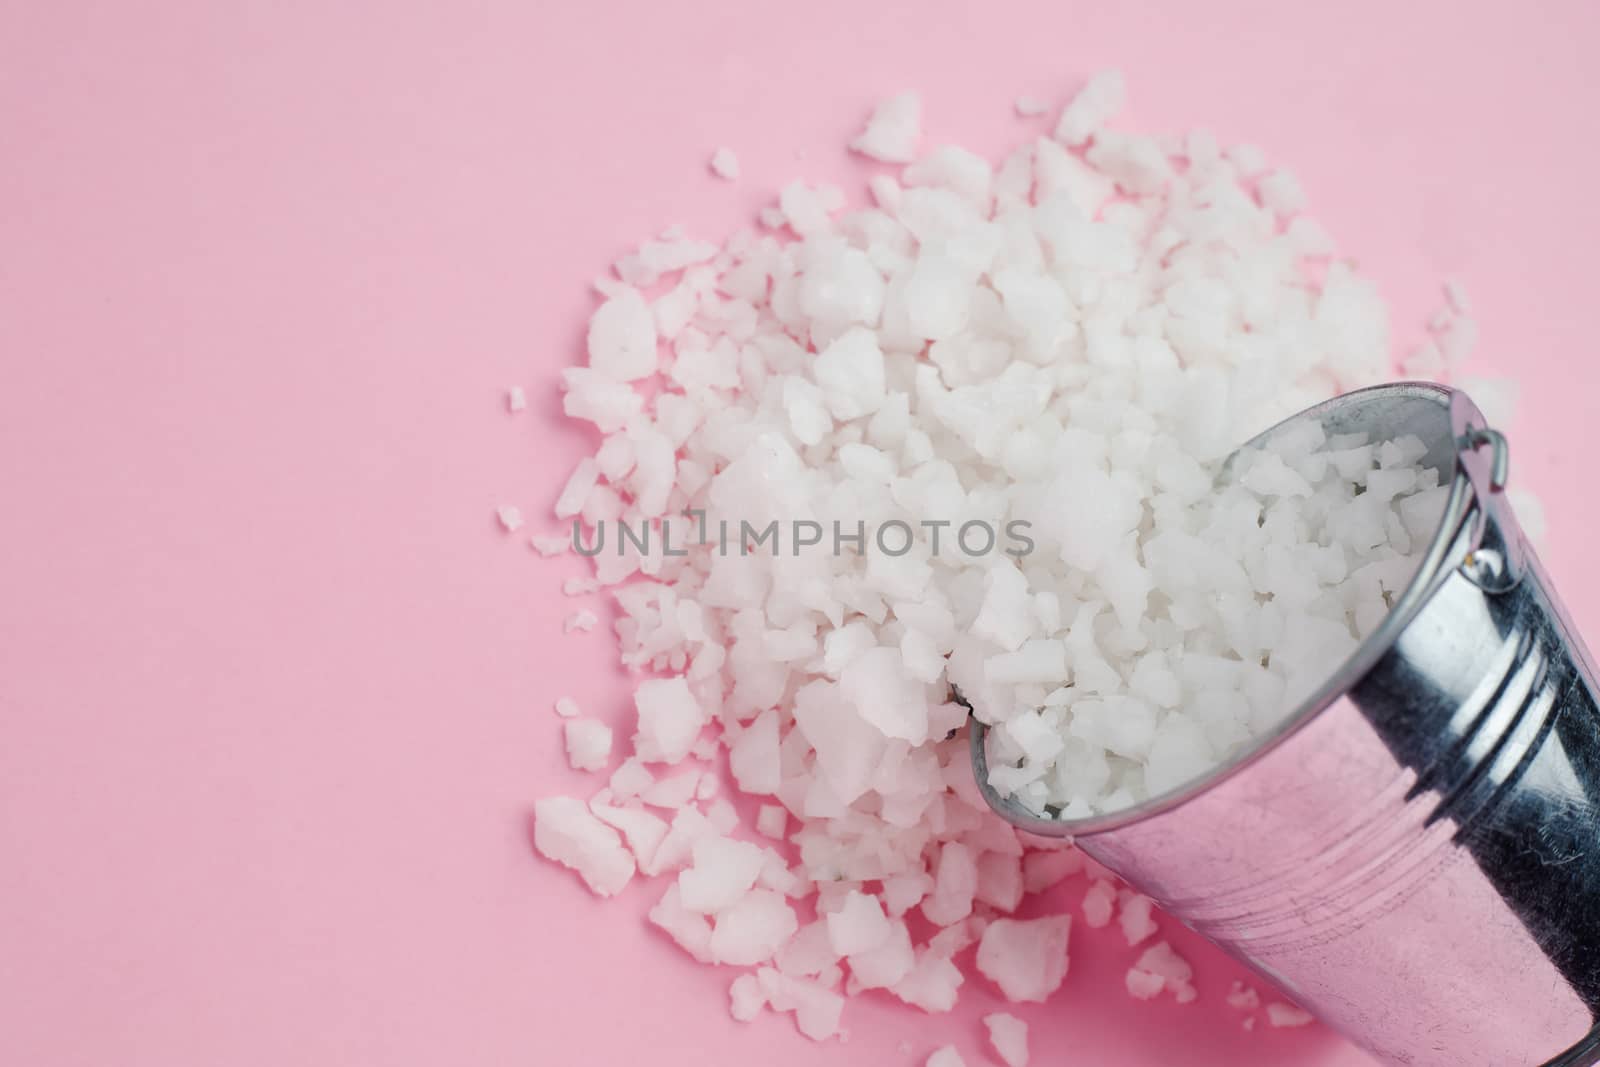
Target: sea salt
{"type": "Point", "coordinates": [725, 165]}
{"type": "Point", "coordinates": [1063, 346]}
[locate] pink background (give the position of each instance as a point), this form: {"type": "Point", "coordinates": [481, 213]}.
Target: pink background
{"type": "Point", "coordinates": [274, 693]}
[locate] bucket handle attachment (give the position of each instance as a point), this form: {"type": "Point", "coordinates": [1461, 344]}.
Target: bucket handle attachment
{"type": "Point", "coordinates": [1495, 563]}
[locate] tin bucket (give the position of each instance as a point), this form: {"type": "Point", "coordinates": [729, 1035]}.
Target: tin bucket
{"type": "Point", "coordinates": [1414, 855]}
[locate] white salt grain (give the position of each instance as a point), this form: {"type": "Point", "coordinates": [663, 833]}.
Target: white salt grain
{"type": "Point", "coordinates": [669, 720]}
{"type": "Point", "coordinates": [955, 886]}
{"type": "Point", "coordinates": [886, 964]}
{"type": "Point", "coordinates": [622, 338]}
{"type": "Point", "coordinates": [641, 831]}
{"type": "Point", "coordinates": [672, 792]}
{"type": "Point", "coordinates": [752, 929]}
{"type": "Point", "coordinates": [1142, 985]}
{"type": "Point", "coordinates": [893, 131]}
{"type": "Point", "coordinates": [516, 399]}
{"type": "Point", "coordinates": [676, 850]}
{"type": "Point", "coordinates": [588, 744]}
{"type": "Point", "coordinates": [630, 779]}
{"type": "Point", "coordinates": [932, 984]}
{"type": "Point", "coordinates": [723, 871]}
{"type": "Point", "coordinates": [1009, 1036]}
{"type": "Point", "coordinates": [510, 517]}
{"type": "Point", "coordinates": [1030, 106]}
{"type": "Point", "coordinates": [1280, 192]}
{"type": "Point", "coordinates": [858, 926]}
{"type": "Point", "coordinates": [1135, 915]}
{"type": "Point", "coordinates": [1161, 969]}
{"type": "Point", "coordinates": [1099, 903]}
{"type": "Point", "coordinates": [1287, 1015]}
{"type": "Point", "coordinates": [1243, 998]}
{"type": "Point", "coordinates": [566, 707]}
{"type": "Point", "coordinates": [754, 757]}
{"type": "Point", "coordinates": [1096, 103]}
{"type": "Point", "coordinates": [579, 485]}
{"type": "Point", "coordinates": [725, 165]}
{"type": "Point", "coordinates": [580, 622]}
{"type": "Point", "coordinates": [946, 1057]}
{"type": "Point", "coordinates": [772, 821]}
{"type": "Point", "coordinates": [565, 831]}
{"type": "Point", "coordinates": [552, 545]}
{"type": "Point", "coordinates": [690, 929]}
{"type": "Point", "coordinates": [1026, 959]}
{"type": "Point", "coordinates": [816, 1008]}
{"type": "Point", "coordinates": [746, 998]}
{"type": "Point", "coordinates": [722, 815]}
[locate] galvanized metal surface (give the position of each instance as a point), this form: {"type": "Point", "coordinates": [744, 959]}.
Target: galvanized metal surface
{"type": "Point", "coordinates": [1414, 854]}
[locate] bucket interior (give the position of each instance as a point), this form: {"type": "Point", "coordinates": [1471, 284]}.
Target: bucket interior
{"type": "Point", "coordinates": [1384, 413]}
{"type": "Point", "coordinates": [1423, 410]}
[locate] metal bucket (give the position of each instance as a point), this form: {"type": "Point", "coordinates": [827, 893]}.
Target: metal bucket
{"type": "Point", "coordinates": [1415, 854]}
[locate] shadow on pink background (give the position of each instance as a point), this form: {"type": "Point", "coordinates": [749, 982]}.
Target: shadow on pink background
{"type": "Point", "coordinates": [274, 692]}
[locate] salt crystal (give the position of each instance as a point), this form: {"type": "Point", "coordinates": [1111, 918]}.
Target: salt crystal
{"type": "Point", "coordinates": [955, 886]}
{"type": "Point", "coordinates": [725, 165]}
{"type": "Point", "coordinates": [671, 792]}
{"type": "Point", "coordinates": [772, 821]}
{"type": "Point", "coordinates": [1134, 913]}
{"type": "Point", "coordinates": [622, 338]}
{"type": "Point", "coordinates": [1098, 904]}
{"type": "Point", "coordinates": [858, 926]}
{"type": "Point", "coordinates": [751, 929]}
{"type": "Point", "coordinates": [565, 831]}
{"type": "Point", "coordinates": [1161, 969]}
{"type": "Point", "coordinates": [1280, 192]}
{"type": "Point", "coordinates": [816, 1008]}
{"type": "Point", "coordinates": [1096, 103]}
{"type": "Point", "coordinates": [1243, 998]}
{"type": "Point", "coordinates": [691, 930]}
{"type": "Point", "coordinates": [630, 779]}
{"type": "Point", "coordinates": [754, 757]}
{"type": "Point", "coordinates": [746, 998]}
{"type": "Point", "coordinates": [642, 831]}
{"type": "Point", "coordinates": [552, 545]}
{"type": "Point", "coordinates": [588, 744]}
{"type": "Point", "coordinates": [1009, 1036]}
{"type": "Point", "coordinates": [893, 131]}
{"type": "Point", "coordinates": [1287, 1015]}
{"type": "Point", "coordinates": [932, 984]}
{"type": "Point", "coordinates": [722, 872]}
{"type": "Point", "coordinates": [1026, 959]}
{"type": "Point", "coordinates": [722, 815]}
{"type": "Point", "coordinates": [669, 720]}
{"type": "Point", "coordinates": [887, 963]}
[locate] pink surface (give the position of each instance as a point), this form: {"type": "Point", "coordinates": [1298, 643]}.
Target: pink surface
{"type": "Point", "coordinates": [274, 693]}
